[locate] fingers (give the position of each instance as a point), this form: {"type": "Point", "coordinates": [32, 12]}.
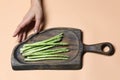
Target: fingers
{"type": "Point", "coordinates": [37, 25]}
{"type": "Point", "coordinates": [20, 29]}
{"type": "Point", "coordinates": [20, 37]}
{"type": "Point", "coordinates": [41, 26]}
{"type": "Point", "coordinates": [22, 25]}
{"type": "Point", "coordinates": [24, 36]}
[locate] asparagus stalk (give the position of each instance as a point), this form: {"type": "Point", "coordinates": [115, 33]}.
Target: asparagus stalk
{"type": "Point", "coordinates": [43, 47]}
{"type": "Point", "coordinates": [53, 39]}
{"type": "Point", "coordinates": [49, 52]}
{"type": "Point", "coordinates": [56, 50]}
{"type": "Point", "coordinates": [50, 40]}
{"type": "Point", "coordinates": [50, 44]}
{"type": "Point", "coordinates": [48, 58]}
{"type": "Point", "coordinates": [40, 50]}
{"type": "Point", "coordinates": [26, 49]}
{"type": "Point", "coordinates": [36, 50]}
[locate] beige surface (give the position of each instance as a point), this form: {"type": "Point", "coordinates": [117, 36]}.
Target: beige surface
{"type": "Point", "coordinates": [99, 19]}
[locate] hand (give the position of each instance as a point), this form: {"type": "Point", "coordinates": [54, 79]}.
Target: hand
{"type": "Point", "coordinates": [33, 19]}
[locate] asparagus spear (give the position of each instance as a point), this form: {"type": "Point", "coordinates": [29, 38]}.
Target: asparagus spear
{"type": "Point", "coordinates": [50, 40]}
{"type": "Point", "coordinates": [46, 56]}
{"type": "Point", "coordinates": [42, 46]}
{"type": "Point", "coordinates": [53, 39]}
{"type": "Point", "coordinates": [45, 52]}
{"type": "Point", "coordinates": [35, 50]}
{"type": "Point", "coordinates": [40, 50]}
{"type": "Point", "coordinates": [26, 49]}
{"type": "Point", "coordinates": [55, 50]}
{"type": "Point", "coordinates": [50, 44]}
{"type": "Point", "coordinates": [49, 58]}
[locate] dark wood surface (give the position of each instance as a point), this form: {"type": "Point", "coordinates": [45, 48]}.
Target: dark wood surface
{"type": "Point", "coordinates": [76, 46]}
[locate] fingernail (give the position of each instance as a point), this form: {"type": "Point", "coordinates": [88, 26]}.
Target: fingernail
{"type": "Point", "coordinates": [35, 31]}
{"type": "Point", "coordinates": [14, 35]}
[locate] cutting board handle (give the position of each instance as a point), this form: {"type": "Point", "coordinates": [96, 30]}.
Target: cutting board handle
{"type": "Point", "coordinates": [104, 48]}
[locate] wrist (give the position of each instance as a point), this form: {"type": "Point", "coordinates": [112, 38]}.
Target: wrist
{"type": "Point", "coordinates": [36, 3]}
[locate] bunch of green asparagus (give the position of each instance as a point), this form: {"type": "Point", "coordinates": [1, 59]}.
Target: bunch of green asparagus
{"type": "Point", "coordinates": [45, 50]}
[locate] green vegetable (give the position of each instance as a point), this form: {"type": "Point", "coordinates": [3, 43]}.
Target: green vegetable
{"type": "Point", "coordinates": [41, 50]}
{"type": "Point", "coordinates": [51, 40]}
{"type": "Point", "coordinates": [48, 58]}
{"type": "Point", "coordinates": [36, 50]}
{"type": "Point", "coordinates": [54, 39]}
{"type": "Point", "coordinates": [44, 56]}
{"type": "Point", "coordinates": [52, 51]}
{"type": "Point", "coordinates": [47, 44]}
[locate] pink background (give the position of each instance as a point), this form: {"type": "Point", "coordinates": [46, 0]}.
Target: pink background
{"type": "Point", "coordinates": [99, 20]}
